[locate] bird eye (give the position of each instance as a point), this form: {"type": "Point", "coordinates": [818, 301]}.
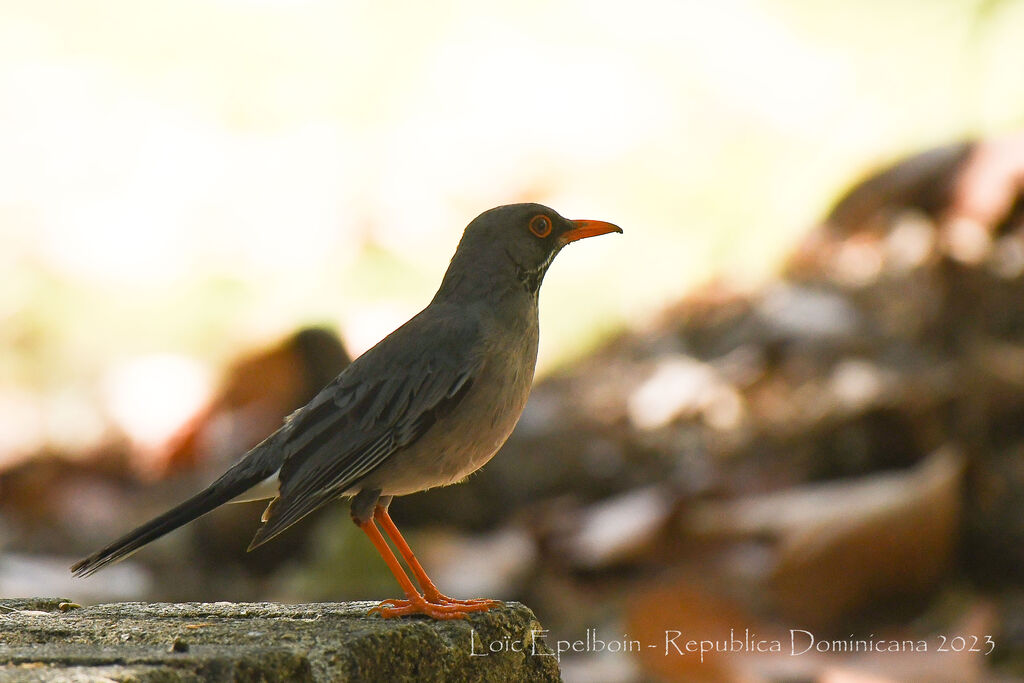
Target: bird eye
{"type": "Point", "coordinates": [540, 226]}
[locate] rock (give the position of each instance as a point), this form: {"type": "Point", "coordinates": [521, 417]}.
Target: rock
{"type": "Point", "coordinates": [225, 641]}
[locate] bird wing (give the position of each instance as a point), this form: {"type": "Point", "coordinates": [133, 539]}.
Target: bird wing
{"type": "Point", "coordinates": [388, 398]}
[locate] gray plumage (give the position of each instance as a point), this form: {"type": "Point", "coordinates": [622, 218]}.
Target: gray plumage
{"type": "Point", "coordinates": [427, 406]}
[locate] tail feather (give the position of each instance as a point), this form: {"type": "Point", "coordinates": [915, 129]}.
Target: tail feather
{"type": "Point", "coordinates": [257, 465]}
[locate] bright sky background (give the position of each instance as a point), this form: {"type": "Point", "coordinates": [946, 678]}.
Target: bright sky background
{"type": "Point", "coordinates": [197, 177]}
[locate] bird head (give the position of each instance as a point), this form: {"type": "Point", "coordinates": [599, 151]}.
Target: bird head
{"type": "Point", "coordinates": [517, 242]}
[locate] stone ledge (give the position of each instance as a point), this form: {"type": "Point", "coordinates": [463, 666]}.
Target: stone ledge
{"type": "Point", "coordinates": [43, 640]}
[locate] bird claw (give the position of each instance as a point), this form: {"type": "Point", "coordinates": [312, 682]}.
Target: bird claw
{"type": "Point", "coordinates": [443, 608]}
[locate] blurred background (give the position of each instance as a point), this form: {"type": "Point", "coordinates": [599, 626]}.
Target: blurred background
{"type": "Point", "coordinates": [791, 395]}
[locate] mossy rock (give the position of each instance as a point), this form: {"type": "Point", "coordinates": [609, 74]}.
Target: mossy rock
{"type": "Point", "coordinates": [44, 639]}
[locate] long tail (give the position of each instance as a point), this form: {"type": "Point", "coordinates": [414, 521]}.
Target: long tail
{"type": "Point", "coordinates": [258, 464]}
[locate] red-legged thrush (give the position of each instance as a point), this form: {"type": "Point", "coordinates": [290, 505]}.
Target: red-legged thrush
{"type": "Point", "coordinates": [427, 406]}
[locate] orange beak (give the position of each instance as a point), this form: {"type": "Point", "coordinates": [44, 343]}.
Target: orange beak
{"type": "Point", "coordinates": [583, 229]}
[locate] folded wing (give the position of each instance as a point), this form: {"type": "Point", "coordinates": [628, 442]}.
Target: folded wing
{"type": "Point", "coordinates": [371, 411]}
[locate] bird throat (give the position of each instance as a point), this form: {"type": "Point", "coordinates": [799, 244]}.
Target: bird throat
{"type": "Point", "coordinates": [531, 278]}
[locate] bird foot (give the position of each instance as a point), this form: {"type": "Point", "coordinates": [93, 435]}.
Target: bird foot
{"type": "Point", "coordinates": [473, 605]}
{"type": "Point", "coordinates": [444, 608]}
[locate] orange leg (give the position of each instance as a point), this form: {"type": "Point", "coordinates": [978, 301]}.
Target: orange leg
{"type": "Point", "coordinates": [415, 603]}
{"type": "Point", "coordinates": [430, 591]}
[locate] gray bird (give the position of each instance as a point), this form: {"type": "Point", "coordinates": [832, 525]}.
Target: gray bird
{"type": "Point", "coordinates": [427, 406]}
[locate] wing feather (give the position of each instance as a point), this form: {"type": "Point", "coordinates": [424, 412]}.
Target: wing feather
{"type": "Point", "coordinates": [386, 400]}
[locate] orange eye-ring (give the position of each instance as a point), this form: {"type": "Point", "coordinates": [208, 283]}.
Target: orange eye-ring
{"type": "Point", "coordinates": [540, 226]}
